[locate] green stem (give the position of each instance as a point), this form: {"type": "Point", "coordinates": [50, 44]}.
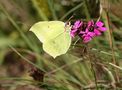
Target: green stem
{"type": "Point", "coordinates": [111, 42]}
{"type": "Point", "coordinates": [92, 67]}
{"type": "Point", "coordinates": [26, 59]}
{"type": "Point", "coordinates": [72, 10]}
{"type": "Point", "coordinates": [111, 77]}
{"type": "Point", "coordinates": [52, 9]}
{"type": "Point", "coordinates": [40, 12]}
{"type": "Point", "coordinates": [86, 10]}
{"type": "Point", "coordinates": [17, 28]}
{"type": "Point", "coordinates": [120, 68]}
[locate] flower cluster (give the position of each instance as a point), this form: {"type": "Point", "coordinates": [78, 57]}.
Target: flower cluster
{"type": "Point", "coordinates": [87, 30]}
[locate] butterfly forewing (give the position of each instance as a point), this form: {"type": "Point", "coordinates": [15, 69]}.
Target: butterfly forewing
{"type": "Point", "coordinates": [54, 35]}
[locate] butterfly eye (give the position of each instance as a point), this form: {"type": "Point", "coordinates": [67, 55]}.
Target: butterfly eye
{"type": "Point", "coordinates": [67, 24]}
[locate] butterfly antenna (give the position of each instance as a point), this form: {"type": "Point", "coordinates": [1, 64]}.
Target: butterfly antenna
{"type": "Point", "coordinates": [67, 23]}
{"type": "Point", "coordinates": [70, 18]}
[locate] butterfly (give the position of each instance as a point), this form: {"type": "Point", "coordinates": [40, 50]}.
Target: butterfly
{"type": "Point", "coordinates": [54, 35]}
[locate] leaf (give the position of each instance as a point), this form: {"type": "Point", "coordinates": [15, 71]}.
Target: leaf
{"type": "Point", "coordinates": [56, 41]}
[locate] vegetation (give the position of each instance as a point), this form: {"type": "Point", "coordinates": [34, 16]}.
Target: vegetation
{"type": "Point", "coordinates": [94, 66]}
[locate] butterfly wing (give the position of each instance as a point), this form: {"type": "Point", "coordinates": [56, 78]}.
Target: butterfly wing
{"type": "Point", "coordinates": [53, 36]}
{"type": "Point", "coordinates": [46, 30]}
{"type": "Point", "coordinates": [59, 45]}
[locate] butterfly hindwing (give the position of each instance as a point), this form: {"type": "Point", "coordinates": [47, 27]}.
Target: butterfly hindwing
{"type": "Point", "coordinates": [53, 36]}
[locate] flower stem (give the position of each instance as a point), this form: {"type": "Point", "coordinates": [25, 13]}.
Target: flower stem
{"type": "Point", "coordinates": [92, 67]}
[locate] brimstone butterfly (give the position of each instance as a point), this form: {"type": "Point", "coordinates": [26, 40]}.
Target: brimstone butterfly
{"type": "Point", "coordinates": [54, 35]}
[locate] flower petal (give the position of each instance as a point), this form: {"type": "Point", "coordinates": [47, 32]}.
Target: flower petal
{"type": "Point", "coordinates": [74, 30]}
{"type": "Point", "coordinates": [90, 23]}
{"type": "Point", "coordinates": [72, 34]}
{"type": "Point", "coordinates": [102, 29]}
{"type": "Point", "coordinates": [81, 32]}
{"type": "Point", "coordinates": [92, 34]}
{"type": "Point", "coordinates": [77, 24]}
{"type": "Point", "coordinates": [99, 24]}
{"type": "Point", "coordinates": [87, 39]}
{"type": "Point", "coordinates": [87, 30]}
{"type": "Point", "coordinates": [97, 32]}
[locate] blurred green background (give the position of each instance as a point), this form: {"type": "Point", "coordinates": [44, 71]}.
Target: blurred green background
{"type": "Point", "coordinates": [97, 66]}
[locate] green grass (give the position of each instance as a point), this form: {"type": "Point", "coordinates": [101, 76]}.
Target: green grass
{"type": "Point", "coordinates": [97, 65]}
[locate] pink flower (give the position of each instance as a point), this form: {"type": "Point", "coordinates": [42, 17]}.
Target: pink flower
{"type": "Point", "coordinates": [90, 23]}
{"type": "Point", "coordinates": [87, 31]}
{"type": "Point", "coordinates": [73, 33]}
{"type": "Point", "coordinates": [87, 35]}
{"type": "Point", "coordinates": [77, 24]}
{"type": "Point", "coordinates": [87, 39]}
{"type": "Point", "coordinates": [75, 28]}
{"type": "Point", "coordinates": [99, 28]}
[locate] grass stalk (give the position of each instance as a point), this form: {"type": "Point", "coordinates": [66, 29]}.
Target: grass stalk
{"type": "Point", "coordinates": [92, 67]}
{"type": "Point", "coordinates": [40, 12]}
{"type": "Point", "coordinates": [52, 9]}
{"type": "Point", "coordinates": [86, 10]}
{"type": "Point", "coordinates": [28, 61]}
{"type": "Point", "coordinates": [70, 11]}
{"type": "Point", "coordinates": [17, 28]}
{"type": "Point", "coordinates": [105, 16]}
